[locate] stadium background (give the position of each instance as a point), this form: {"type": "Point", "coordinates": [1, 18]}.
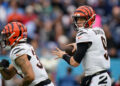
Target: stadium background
{"type": "Point", "coordinates": [49, 24]}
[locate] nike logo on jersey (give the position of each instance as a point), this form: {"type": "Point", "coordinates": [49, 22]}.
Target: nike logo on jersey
{"type": "Point", "coordinates": [79, 37]}
{"type": "Point", "coordinates": [17, 54]}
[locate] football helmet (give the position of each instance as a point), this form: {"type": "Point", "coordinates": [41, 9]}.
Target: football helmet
{"type": "Point", "coordinates": [85, 12]}
{"type": "Point", "coordinates": [12, 34]}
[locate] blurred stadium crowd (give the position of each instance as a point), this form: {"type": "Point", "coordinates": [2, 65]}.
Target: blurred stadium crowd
{"type": "Point", "coordinates": [49, 24]}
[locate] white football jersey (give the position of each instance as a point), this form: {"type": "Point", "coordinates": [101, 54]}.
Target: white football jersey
{"type": "Point", "coordinates": [96, 58]}
{"type": "Point", "coordinates": [39, 71]}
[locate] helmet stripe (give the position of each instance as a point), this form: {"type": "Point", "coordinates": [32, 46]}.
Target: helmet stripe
{"type": "Point", "coordinates": [89, 10]}
{"type": "Point", "coordinates": [19, 29]}
{"type": "Point", "coordinates": [23, 28]}
{"type": "Point", "coordinates": [86, 10]}
{"type": "Point", "coordinates": [5, 30]}
{"type": "Point", "coordinates": [92, 10]}
{"type": "Point", "coordinates": [12, 26]}
{"type": "Point", "coordinates": [81, 12]}
{"type": "Point", "coordinates": [8, 28]}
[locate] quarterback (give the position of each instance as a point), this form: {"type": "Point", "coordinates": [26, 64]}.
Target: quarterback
{"type": "Point", "coordinates": [23, 57]}
{"type": "Point", "coordinates": [91, 49]}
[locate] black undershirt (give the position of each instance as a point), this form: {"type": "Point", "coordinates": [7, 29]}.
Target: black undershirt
{"type": "Point", "coordinates": [81, 51]}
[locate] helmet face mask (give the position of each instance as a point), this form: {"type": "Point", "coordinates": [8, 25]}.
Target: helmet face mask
{"type": "Point", "coordinates": [4, 40]}
{"type": "Point", "coordinates": [79, 22]}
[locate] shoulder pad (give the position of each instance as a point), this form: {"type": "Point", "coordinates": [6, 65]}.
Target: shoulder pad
{"type": "Point", "coordinates": [18, 51]}
{"type": "Point", "coordinates": [82, 36]}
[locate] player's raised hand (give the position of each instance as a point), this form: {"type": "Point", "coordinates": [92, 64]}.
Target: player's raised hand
{"type": "Point", "coordinates": [73, 45]}
{"type": "Point", "coordinates": [59, 53]}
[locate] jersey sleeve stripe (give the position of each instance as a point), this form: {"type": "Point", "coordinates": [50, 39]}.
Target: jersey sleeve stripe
{"type": "Point", "coordinates": [18, 51]}
{"type": "Point", "coordinates": [15, 49]}
{"type": "Point", "coordinates": [82, 33]}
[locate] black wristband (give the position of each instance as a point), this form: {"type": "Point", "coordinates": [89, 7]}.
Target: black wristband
{"type": "Point", "coordinates": [66, 57]}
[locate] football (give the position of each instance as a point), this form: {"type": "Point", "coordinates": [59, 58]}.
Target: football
{"type": "Point", "coordinates": [68, 50]}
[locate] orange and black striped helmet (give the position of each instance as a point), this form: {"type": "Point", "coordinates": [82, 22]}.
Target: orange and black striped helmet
{"type": "Point", "coordinates": [13, 33]}
{"type": "Point", "coordinates": [87, 12]}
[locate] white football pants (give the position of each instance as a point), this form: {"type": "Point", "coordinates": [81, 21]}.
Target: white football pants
{"type": "Point", "coordinates": [101, 80]}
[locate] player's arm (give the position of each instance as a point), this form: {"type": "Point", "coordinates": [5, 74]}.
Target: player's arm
{"type": "Point", "coordinates": [79, 54]}
{"type": "Point", "coordinates": [9, 72]}
{"type": "Point", "coordinates": [77, 57]}
{"type": "Point", "coordinates": [26, 68]}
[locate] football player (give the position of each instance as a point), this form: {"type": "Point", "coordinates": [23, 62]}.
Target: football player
{"type": "Point", "coordinates": [23, 57]}
{"type": "Point", "coordinates": [91, 49]}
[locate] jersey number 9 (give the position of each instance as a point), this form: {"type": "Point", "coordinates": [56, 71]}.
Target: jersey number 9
{"type": "Point", "coordinates": [104, 46]}
{"type": "Point", "coordinates": [39, 63]}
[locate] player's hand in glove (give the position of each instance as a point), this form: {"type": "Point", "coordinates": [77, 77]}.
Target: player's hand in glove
{"type": "Point", "coordinates": [4, 64]}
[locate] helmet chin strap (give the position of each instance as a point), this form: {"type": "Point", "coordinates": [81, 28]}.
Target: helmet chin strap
{"type": "Point", "coordinates": [79, 28]}
{"type": "Point", "coordinates": [76, 29]}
